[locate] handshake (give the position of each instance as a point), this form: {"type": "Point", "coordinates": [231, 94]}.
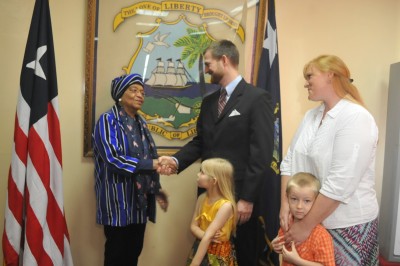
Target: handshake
{"type": "Point", "coordinates": [165, 165]}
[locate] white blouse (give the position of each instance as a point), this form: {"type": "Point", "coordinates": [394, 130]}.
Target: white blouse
{"type": "Point", "coordinates": [340, 151]}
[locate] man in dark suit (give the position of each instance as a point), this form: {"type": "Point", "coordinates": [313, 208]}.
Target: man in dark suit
{"type": "Point", "coordinates": [242, 133]}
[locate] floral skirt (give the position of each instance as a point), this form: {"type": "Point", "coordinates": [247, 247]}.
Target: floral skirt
{"type": "Point", "coordinates": [218, 254]}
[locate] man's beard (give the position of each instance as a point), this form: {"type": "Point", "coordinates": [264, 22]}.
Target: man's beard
{"type": "Point", "coordinates": [215, 78]}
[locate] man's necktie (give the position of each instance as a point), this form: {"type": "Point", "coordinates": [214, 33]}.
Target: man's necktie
{"type": "Point", "coordinates": [221, 101]}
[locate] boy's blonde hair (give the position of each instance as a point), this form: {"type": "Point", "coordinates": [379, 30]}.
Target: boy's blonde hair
{"type": "Point", "coordinates": [222, 171]}
{"type": "Point", "coordinates": [303, 180]}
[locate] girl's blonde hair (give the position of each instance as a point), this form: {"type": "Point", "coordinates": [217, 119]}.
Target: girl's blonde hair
{"type": "Point", "coordinates": [342, 82]}
{"type": "Point", "coordinates": [222, 171]}
{"type": "Point", "coordinates": [301, 180]}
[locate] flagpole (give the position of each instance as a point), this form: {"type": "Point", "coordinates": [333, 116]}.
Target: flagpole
{"type": "Point", "coordinates": [262, 10]}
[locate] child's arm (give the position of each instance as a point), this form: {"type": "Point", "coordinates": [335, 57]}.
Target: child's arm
{"type": "Point", "coordinates": [194, 226]}
{"type": "Point", "coordinates": [294, 258]}
{"type": "Point", "coordinates": [222, 216]}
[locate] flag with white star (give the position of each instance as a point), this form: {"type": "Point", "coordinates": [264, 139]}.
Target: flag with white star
{"type": "Point", "coordinates": [268, 79]}
{"type": "Point", "coordinates": [35, 229]}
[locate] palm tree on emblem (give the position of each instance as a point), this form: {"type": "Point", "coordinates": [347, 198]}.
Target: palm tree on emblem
{"type": "Point", "coordinates": [195, 43]}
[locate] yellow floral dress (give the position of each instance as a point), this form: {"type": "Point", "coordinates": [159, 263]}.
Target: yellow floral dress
{"type": "Point", "coordinates": [218, 254]}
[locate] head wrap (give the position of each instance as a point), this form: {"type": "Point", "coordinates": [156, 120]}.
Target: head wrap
{"type": "Point", "coordinates": [120, 84]}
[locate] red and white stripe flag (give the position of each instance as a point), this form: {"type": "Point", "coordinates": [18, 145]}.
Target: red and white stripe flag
{"type": "Point", "coordinates": [35, 230]}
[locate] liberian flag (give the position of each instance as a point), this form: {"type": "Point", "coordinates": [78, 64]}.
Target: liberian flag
{"type": "Point", "coordinates": [35, 230]}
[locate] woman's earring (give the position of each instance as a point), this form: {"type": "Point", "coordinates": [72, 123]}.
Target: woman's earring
{"type": "Point", "coordinates": [119, 99]}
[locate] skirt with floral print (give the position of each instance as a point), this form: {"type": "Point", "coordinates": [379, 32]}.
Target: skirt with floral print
{"type": "Point", "coordinates": [218, 254]}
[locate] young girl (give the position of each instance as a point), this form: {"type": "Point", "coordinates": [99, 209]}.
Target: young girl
{"type": "Point", "coordinates": [214, 218]}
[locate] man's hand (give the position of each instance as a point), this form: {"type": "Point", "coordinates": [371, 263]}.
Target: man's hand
{"type": "Point", "coordinates": [167, 165]}
{"type": "Point", "coordinates": [244, 210]}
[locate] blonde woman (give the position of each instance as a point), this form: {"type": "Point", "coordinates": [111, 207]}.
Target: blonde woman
{"type": "Point", "coordinates": [215, 216]}
{"type": "Point", "coordinates": [336, 142]}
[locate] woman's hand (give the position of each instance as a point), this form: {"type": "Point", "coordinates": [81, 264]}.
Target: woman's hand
{"type": "Point", "coordinates": [297, 233]}
{"type": "Point", "coordinates": [285, 217]}
{"type": "Point", "coordinates": [156, 164]}
{"type": "Point", "coordinates": [162, 199]}
{"type": "Point", "coordinates": [167, 165]}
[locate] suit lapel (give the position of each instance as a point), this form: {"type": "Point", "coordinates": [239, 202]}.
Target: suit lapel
{"type": "Point", "coordinates": [214, 105]}
{"type": "Point", "coordinates": [233, 99]}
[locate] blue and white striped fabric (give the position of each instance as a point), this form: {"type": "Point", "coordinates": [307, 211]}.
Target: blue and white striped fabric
{"type": "Point", "coordinates": [114, 168]}
{"type": "Point", "coordinates": [120, 84]}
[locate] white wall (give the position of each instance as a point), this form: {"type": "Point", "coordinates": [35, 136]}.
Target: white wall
{"type": "Point", "coordinates": [364, 33]}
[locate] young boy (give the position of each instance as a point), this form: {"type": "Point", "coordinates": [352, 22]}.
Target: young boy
{"type": "Point", "coordinates": [302, 190]}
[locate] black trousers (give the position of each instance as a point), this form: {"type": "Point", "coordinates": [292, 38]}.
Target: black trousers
{"type": "Point", "coordinates": [123, 244]}
{"type": "Point", "coordinates": [246, 243]}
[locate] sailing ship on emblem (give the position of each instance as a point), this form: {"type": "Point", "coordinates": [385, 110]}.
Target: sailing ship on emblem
{"type": "Point", "coordinates": [170, 78]}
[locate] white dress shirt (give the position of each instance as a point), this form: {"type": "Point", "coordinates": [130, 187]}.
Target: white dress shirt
{"type": "Point", "coordinates": [340, 151]}
{"type": "Point", "coordinates": [231, 86]}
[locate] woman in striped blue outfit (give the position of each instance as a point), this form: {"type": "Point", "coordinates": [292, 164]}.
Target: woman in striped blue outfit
{"type": "Point", "coordinates": [126, 181]}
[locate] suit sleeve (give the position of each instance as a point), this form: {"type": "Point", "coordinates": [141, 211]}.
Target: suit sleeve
{"type": "Point", "coordinates": [192, 151]}
{"type": "Point", "coordinates": [261, 147]}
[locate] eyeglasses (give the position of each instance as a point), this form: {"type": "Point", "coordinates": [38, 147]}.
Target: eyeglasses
{"type": "Point", "coordinates": [136, 91]}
